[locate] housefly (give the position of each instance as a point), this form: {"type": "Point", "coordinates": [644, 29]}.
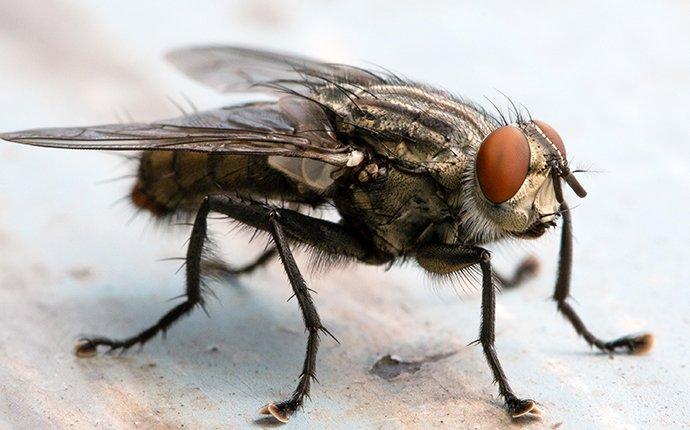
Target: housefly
{"type": "Point", "coordinates": [414, 173]}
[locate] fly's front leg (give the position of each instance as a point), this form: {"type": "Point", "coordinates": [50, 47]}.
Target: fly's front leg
{"type": "Point", "coordinates": [445, 259]}
{"type": "Point", "coordinates": [634, 344]}
{"type": "Point", "coordinates": [88, 346]}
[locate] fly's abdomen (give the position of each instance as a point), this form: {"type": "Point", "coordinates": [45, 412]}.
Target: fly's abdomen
{"type": "Point", "coordinates": [172, 181]}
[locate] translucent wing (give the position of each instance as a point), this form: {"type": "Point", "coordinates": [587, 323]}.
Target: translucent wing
{"type": "Point", "coordinates": [228, 69]}
{"type": "Point", "coordinates": [289, 127]}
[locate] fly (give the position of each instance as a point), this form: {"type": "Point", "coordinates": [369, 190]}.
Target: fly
{"type": "Point", "coordinates": [413, 171]}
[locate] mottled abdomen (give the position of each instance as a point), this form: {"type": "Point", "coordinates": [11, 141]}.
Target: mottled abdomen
{"type": "Point", "coordinates": [174, 181]}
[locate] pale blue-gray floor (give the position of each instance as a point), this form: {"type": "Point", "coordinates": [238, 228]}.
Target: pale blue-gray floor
{"type": "Point", "coordinates": [613, 79]}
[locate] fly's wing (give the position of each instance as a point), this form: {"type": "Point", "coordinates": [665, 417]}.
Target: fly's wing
{"type": "Point", "coordinates": [290, 127]}
{"type": "Point", "coordinates": [234, 69]}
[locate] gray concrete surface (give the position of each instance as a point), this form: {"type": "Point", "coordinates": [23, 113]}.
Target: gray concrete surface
{"type": "Point", "coordinates": [613, 78]}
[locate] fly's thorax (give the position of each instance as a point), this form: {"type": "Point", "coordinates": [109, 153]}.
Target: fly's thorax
{"type": "Point", "coordinates": [530, 209]}
{"type": "Point", "coordinates": [420, 128]}
{"type": "Point", "coordinates": [393, 208]}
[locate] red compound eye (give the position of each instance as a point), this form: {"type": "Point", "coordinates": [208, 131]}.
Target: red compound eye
{"type": "Point", "coordinates": [554, 137]}
{"type": "Point", "coordinates": [502, 163]}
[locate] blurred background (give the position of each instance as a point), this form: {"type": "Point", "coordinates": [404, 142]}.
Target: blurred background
{"type": "Point", "coordinates": [613, 78]}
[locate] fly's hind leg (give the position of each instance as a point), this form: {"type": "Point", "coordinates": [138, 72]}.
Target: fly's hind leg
{"type": "Point", "coordinates": [88, 346]}
{"type": "Point", "coordinates": [526, 270]}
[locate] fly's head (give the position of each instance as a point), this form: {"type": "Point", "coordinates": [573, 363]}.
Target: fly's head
{"type": "Point", "coordinates": [517, 178]}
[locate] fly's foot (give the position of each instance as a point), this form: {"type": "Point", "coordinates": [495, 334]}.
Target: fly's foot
{"type": "Point", "coordinates": [634, 344]}
{"type": "Point", "coordinates": [281, 411]}
{"type": "Point", "coordinates": [84, 348]}
{"type": "Point", "coordinates": [88, 347]}
{"type": "Point", "coordinates": [521, 407]}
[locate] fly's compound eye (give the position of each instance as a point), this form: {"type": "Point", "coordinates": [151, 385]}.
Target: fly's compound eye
{"type": "Point", "coordinates": [502, 163]}
{"type": "Point", "coordinates": [551, 134]}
